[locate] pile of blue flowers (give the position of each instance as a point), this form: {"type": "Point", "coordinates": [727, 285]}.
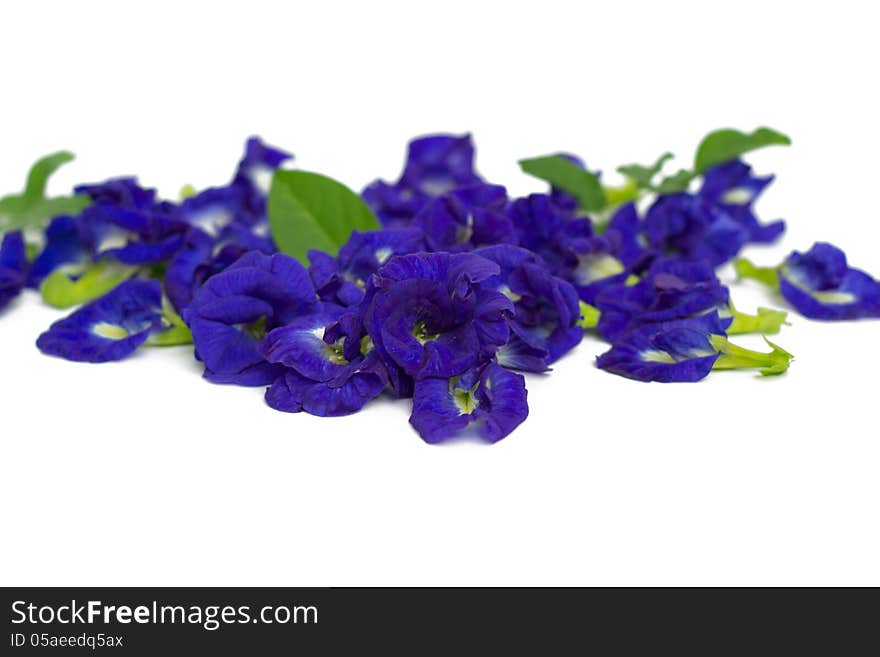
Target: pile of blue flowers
{"type": "Point", "coordinates": [437, 287]}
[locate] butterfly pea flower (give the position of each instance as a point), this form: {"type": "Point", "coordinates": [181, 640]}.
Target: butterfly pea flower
{"type": "Point", "coordinates": [820, 284]}
{"type": "Point", "coordinates": [109, 328]}
{"type": "Point", "coordinates": [732, 187]}
{"type": "Point", "coordinates": [546, 228]}
{"type": "Point", "coordinates": [200, 256]}
{"type": "Point", "coordinates": [65, 247]}
{"type": "Point", "coordinates": [254, 174]}
{"type": "Point", "coordinates": [234, 309]}
{"type": "Point", "coordinates": [466, 218]}
{"type": "Point", "coordinates": [544, 322]}
{"type": "Point", "coordinates": [435, 165]}
{"type": "Point", "coordinates": [427, 316]}
{"type": "Point", "coordinates": [343, 279]}
{"type": "Point", "coordinates": [123, 192]}
{"type": "Point", "coordinates": [686, 350]}
{"type": "Point", "coordinates": [625, 231]}
{"type": "Point", "coordinates": [13, 266]}
{"type": "Point", "coordinates": [132, 237]}
{"type": "Point", "coordinates": [596, 261]}
{"type": "Point", "coordinates": [188, 269]}
{"type": "Point", "coordinates": [670, 289]}
{"type": "Point", "coordinates": [688, 226]}
{"type": "Point", "coordinates": [213, 209]}
{"type": "Point", "coordinates": [490, 401]}
{"type": "Point", "coordinates": [677, 350]}
{"type": "Point", "coordinates": [318, 377]}
{"type": "Point", "coordinates": [224, 211]}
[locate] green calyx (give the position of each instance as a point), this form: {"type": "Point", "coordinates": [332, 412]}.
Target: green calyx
{"type": "Point", "coordinates": [589, 316]}
{"type": "Point", "coordinates": [177, 332]}
{"type": "Point", "coordinates": [734, 357]}
{"type": "Point", "coordinates": [766, 321]}
{"type": "Point", "coordinates": [745, 268]}
{"type": "Point", "coordinates": [422, 335]}
{"type": "Point", "coordinates": [465, 399]}
{"type": "Point", "coordinates": [61, 290]}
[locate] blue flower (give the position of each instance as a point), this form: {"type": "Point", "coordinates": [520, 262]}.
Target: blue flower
{"type": "Point", "coordinates": [254, 173]}
{"type": "Point", "coordinates": [427, 317]}
{"type": "Point", "coordinates": [435, 164]}
{"type": "Point", "coordinates": [489, 400]}
{"type": "Point", "coordinates": [733, 187]}
{"type": "Point", "coordinates": [319, 379]}
{"type": "Point", "coordinates": [546, 228]}
{"type": "Point", "coordinates": [131, 236]}
{"type": "Point", "coordinates": [821, 285]}
{"type": "Point", "coordinates": [625, 234]}
{"type": "Point", "coordinates": [122, 192]}
{"type": "Point", "coordinates": [544, 323]}
{"type": "Point", "coordinates": [234, 309]}
{"type": "Point", "coordinates": [65, 247]}
{"type": "Point", "coordinates": [213, 209]}
{"type": "Point", "coordinates": [109, 328]}
{"type": "Point", "coordinates": [466, 218]}
{"type": "Point", "coordinates": [687, 225]}
{"type": "Point", "coordinates": [13, 266]}
{"type": "Point", "coordinates": [678, 350]}
{"type": "Point", "coordinates": [343, 279]}
{"type": "Point", "coordinates": [189, 268]}
{"type": "Point", "coordinates": [670, 289]}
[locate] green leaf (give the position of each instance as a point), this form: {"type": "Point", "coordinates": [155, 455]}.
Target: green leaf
{"type": "Point", "coordinates": [311, 211]}
{"type": "Point", "coordinates": [734, 357]}
{"type": "Point", "coordinates": [61, 291]}
{"type": "Point", "coordinates": [727, 144]}
{"type": "Point", "coordinates": [745, 268]}
{"type": "Point", "coordinates": [589, 316]}
{"type": "Point", "coordinates": [31, 208]}
{"type": "Point", "coordinates": [42, 170]}
{"type": "Point", "coordinates": [569, 177]}
{"type": "Point", "coordinates": [766, 322]}
{"type": "Point", "coordinates": [677, 182]}
{"type": "Point", "coordinates": [643, 176]}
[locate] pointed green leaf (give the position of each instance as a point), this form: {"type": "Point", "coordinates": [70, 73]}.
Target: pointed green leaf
{"type": "Point", "coordinates": [727, 144]}
{"type": "Point", "coordinates": [643, 176]}
{"type": "Point", "coordinates": [41, 171]}
{"type": "Point", "coordinates": [569, 177]}
{"type": "Point", "coordinates": [677, 182]}
{"type": "Point", "coordinates": [31, 209]}
{"type": "Point", "coordinates": [311, 211]}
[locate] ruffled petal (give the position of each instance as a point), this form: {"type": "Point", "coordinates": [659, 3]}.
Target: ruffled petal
{"type": "Point", "coordinates": [109, 328]}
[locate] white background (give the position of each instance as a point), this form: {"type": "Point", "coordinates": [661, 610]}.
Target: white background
{"type": "Point", "coordinates": [140, 472]}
